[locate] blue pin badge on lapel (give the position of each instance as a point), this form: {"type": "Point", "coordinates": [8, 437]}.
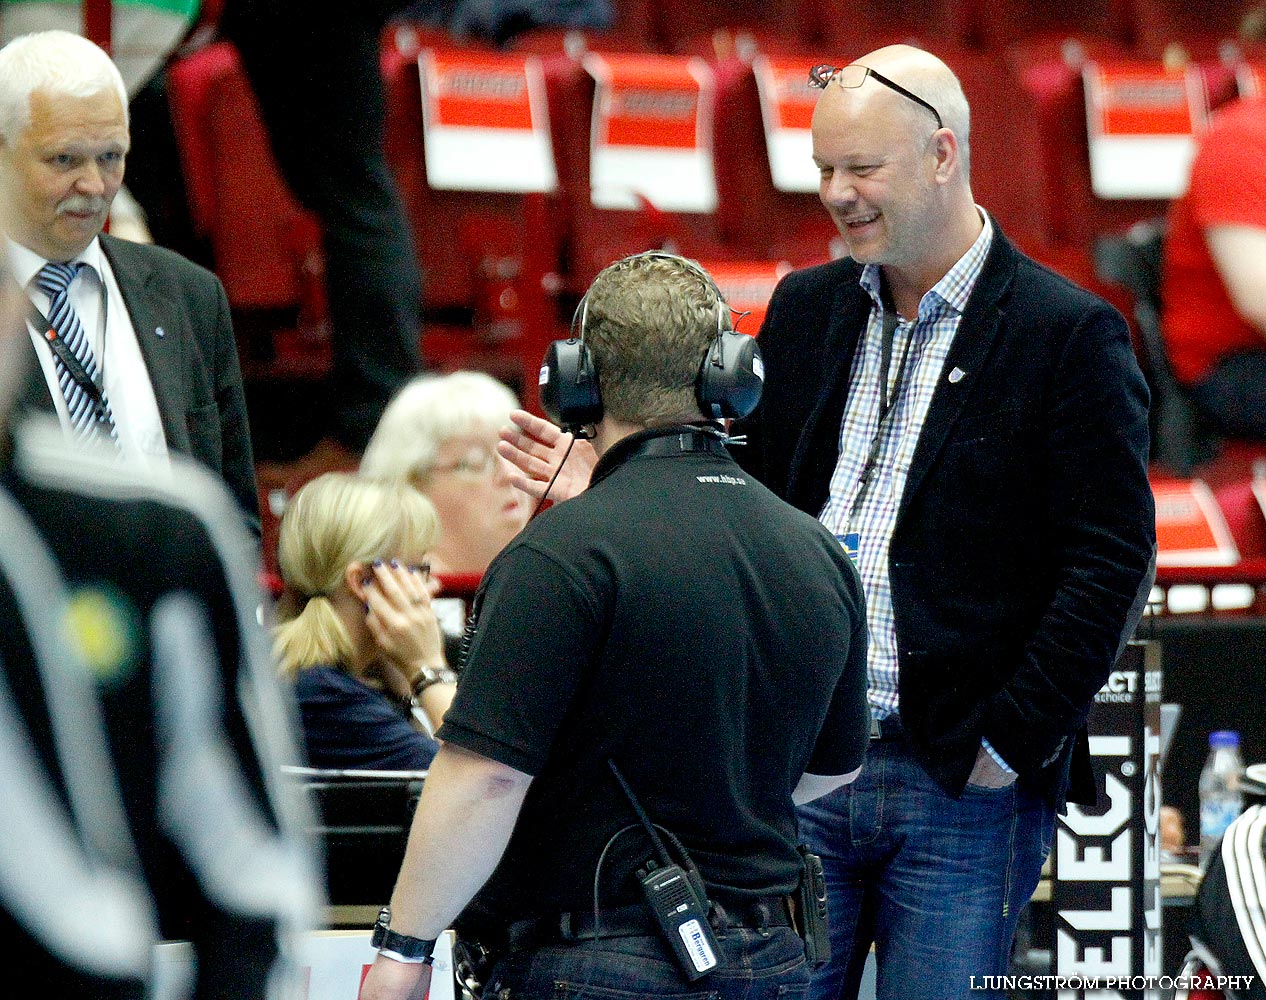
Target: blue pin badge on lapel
{"type": "Point", "coordinates": [956, 375]}
{"type": "Point", "coordinates": [159, 332]}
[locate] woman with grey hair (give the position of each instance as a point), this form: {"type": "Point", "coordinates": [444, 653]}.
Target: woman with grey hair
{"type": "Point", "coordinates": [440, 434]}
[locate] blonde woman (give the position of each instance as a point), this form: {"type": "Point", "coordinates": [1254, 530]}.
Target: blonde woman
{"type": "Point", "coordinates": [358, 635]}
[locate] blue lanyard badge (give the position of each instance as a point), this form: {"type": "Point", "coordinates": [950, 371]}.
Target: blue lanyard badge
{"type": "Point", "coordinates": [852, 542]}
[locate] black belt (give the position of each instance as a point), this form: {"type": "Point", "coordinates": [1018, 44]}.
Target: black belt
{"type": "Point", "coordinates": [888, 728]}
{"type": "Point", "coordinates": [637, 921]}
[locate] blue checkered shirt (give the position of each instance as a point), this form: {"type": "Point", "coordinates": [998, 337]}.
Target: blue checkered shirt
{"type": "Point", "coordinates": [929, 338]}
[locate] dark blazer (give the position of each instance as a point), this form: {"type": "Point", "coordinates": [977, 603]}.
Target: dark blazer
{"type": "Point", "coordinates": [192, 364]}
{"type": "Point", "coordinates": [1026, 534]}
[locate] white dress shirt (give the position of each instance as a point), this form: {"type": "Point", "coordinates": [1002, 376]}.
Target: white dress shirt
{"type": "Point", "coordinates": [95, 298]}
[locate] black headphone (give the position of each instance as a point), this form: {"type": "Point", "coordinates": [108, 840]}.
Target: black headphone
{"type": "Point", "coordinates": [728, 384]}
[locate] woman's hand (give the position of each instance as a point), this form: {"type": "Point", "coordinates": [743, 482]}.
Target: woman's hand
{"type": "Point", "coordinates": [536, 448]}
{"type": "Point", "coordinates": [401, 620]}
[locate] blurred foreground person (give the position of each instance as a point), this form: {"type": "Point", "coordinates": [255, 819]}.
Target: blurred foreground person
{"type": "Point", "coordinates": [359, 638]}
{"type": "Point", "coordinates": [675, 644]}
{"type": "Point", "coordinates": [439, 434]}
{"type": "Point", "coordinates": [1228, 933]}
{"type": "Point", "coordinates": [75, 912]}
{"type": "Point", "coordinates": [171, 700]}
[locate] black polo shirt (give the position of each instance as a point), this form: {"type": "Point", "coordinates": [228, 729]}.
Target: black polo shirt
{"type": "Point", "coordinates": [680, 619]}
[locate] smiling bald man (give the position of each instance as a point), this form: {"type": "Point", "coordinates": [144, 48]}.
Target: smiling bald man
{"type": "Point", "coordinates": [972, 428]}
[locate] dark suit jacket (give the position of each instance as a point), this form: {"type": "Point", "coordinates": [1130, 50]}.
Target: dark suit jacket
{"type": "Point", "coordinates": [1026, 533]}
{"type": "Point", "coordinates": [193, 366]}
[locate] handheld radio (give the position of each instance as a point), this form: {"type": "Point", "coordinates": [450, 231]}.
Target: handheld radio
{"type": "Point", "coordinates": [677, 898]}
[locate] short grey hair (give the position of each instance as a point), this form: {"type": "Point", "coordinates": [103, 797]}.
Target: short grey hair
{"type": "Point", "coordinates": [427, 412]}
{"type": "Point", "coordinates": [945, 93]}
{"type": "Point", "coordinates": [58, 62]}
{"type": "Point", "coordinates": [941, 88]}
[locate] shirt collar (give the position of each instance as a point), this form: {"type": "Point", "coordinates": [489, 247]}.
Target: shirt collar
{"type": "Point", "coordinates": [955, 288]}
{"type": "Point", "coordinates": [628, 448]}
{"type": "Point", "coordinates": [27, 263]}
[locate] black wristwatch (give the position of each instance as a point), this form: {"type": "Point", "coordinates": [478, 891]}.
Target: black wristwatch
{"type": "Point", "coordinates": [401, 947]}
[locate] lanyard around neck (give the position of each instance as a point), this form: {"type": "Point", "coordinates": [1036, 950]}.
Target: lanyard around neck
{"type": "Point", "coordinates": [886, 402]}
{"type": "Point", "coordinates": [67, 357]}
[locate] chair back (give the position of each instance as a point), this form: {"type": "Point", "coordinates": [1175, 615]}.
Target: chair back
{"type": "Point", "coordinates": [363, 822]}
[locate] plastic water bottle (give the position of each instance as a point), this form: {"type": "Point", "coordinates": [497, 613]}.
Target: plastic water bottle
{"type": "Point", "coordinates": [1220, 797]}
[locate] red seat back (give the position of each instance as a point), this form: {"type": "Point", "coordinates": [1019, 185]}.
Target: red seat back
{"type": "Point", "coordinates": [260, 236]}
{"type": "Point", "coordinates": [1076, 214]}
{"type": "Point", "coordinates": [1243, 515]}
{"type": "Point", "coordinates": [1003, 23]}
{"type": "Point", "coordinates": [1200, 28]}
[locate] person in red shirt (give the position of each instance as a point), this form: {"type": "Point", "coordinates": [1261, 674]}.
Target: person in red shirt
{"type": "Point", "coordinates": [1214, 273]}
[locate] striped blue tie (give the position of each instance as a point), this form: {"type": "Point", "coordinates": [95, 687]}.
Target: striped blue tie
{"type": "Point", "coordinates": [88, 422]}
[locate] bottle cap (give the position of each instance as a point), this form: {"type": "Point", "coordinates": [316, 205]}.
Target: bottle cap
{"type": "Point", "coordinates": [1224, 738]}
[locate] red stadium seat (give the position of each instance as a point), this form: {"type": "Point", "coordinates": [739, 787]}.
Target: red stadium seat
{"type": "Point", "coordinates": [850, 31]}
{"type": "Point", "coordinates": [1073, 49]}
{"type": "Point", "coordinates": [1244, 517]}
{"type": "Point", "coordinates": [488, 257]}
{"type": "Point", "coordinates": [1199, 28]}
{"type": "Point", "coordinates": [755, 218]}
{"type": "Point", "coordinates": [680, 26]}
{"type": "Point", "coordinates": [1046, 67]}
{"type": "Point", "coordinates": [1076, 214]}
{"type": "Point", "coordinates": [1004, 23]}
{"type": "Point", "coordinates": [555, 42]}
{"type": "Point", "coordinates": [1220, 79]}
{"type": "Point", "coordinates": [1006, 163]}
{"type": "Point", "coordinates": [265, 246]}
{"type": "Point", "coordinates": [636, 20]}
{"type": "Point", "coordinates": [596, 236]}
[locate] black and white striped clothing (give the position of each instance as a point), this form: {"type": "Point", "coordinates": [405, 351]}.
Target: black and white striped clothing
{"type": "Point", "coordinates": [1231, 908]}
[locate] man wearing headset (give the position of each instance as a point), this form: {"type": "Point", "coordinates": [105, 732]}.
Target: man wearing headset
{"type": "Point", "coordinates": [973, 430]}
{"type": "Point", "coordinates": [675, 629]}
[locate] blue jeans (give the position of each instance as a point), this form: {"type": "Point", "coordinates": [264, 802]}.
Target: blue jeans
{"type": "Point", "coordinates": [936, 884]}
{"type": "Point", "coordinates": [756, 966]}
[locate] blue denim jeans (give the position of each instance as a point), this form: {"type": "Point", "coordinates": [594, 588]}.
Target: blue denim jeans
{"type": "Point", "coordinates": [756, 966]}
{"type": "Point", "coordinates": [936, 884]}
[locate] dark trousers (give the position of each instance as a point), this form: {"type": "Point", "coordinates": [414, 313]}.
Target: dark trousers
{"type": "Point", "coordinates": [1233, 396]}
{"type": "Point", "coordinates": [757, 965]}
{"type": "Point", "coordinates": [315, 69]}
